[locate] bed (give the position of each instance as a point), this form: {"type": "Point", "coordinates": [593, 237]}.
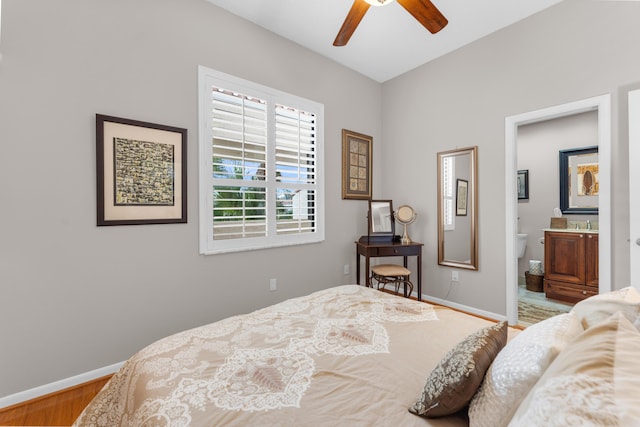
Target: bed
{"type": "Point", "coordinates": [348, 355]}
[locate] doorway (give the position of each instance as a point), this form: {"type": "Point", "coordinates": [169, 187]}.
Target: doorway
{"type": "Point", "coordinates": [600, 104]}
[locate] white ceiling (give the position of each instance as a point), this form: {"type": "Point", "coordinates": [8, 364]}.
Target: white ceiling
{"type": "Point", "coordinates": [389, 41]}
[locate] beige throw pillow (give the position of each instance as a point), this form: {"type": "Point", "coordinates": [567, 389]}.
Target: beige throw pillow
{"type": "Point", "coordinates": [598, 308]}
{"type": "Point", "coordinates": [517, 368]}
{"type": "Point", "coordinates": [455, 379]}
{"type": "Point", "coordinates": [595, 381]}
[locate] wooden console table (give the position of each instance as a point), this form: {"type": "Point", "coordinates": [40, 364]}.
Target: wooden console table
{"type": "Point", "coordinates": [389, 249]}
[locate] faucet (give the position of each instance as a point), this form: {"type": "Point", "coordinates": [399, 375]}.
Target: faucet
{"type": "Point", "coordinates": [588, 225]}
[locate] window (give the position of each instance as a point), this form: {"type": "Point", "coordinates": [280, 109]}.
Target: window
{"type": "Point", "coordinates": [448, 192]}
{"type": "Point", "coordinates": [261, 169]}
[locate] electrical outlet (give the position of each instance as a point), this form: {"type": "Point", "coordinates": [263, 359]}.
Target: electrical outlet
{"type": "Point", "coordinates": [273, 284]}
{"type": "Point", "coordinates": [454, 276]}
{"type": "Point", "coordinates": [346, 269]}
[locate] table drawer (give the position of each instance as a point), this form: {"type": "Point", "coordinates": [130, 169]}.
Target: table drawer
{"type": "Point", "coordinates": [397, 251]}
{"type": "Point", "coordinates": [567, 291]}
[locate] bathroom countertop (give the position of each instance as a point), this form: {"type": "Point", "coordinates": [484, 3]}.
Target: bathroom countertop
{"type": "Point", "coordinates": [571, 230]}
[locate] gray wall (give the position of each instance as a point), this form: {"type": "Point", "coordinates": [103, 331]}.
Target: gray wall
{"type": "Point", "coordinates": [538, 146]}
{"type": "Point", "coordinates": [75, 297]}
{"type": "Point", "coordinates": [572, 51]}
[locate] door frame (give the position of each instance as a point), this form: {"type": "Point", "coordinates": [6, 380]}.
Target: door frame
{"type": "Point", "coordinates": [601, 104]}
{"type": "Point", "coordinates": [634, 177]}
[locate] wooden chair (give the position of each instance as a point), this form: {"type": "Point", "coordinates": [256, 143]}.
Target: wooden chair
{"type": "Point", "coordinates": [397, 275]}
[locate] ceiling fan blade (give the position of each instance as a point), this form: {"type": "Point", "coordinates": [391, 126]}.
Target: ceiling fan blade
{"type": "Point", "coordinates": [426, 13]}
{"type": "Point", "coordinates": [351, 22]}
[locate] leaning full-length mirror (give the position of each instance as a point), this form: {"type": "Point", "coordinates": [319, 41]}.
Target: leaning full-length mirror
{"type": "Point", "coordinates": [458, 208]}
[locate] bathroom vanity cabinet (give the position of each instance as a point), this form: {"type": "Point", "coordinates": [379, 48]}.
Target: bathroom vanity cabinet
{"type": "Point", "coordinates": [571, 265]}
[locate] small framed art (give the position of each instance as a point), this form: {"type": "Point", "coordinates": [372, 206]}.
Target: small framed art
{"type": "Point", "coordinates": [523, 184]}
{"type": "Point", "coordinates": [141, 172]}
{"type": "Point", "coordinates": [462, 190]}
{"type": "Point", "coordinates": [356, 165]}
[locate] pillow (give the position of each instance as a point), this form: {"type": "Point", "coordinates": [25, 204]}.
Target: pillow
{"type": "Point", "coordinates": [598, 308]}
{"type": "Point", "coordinates": [455, 379]}
{"type": "Point", "coordinates": [594, 381]}
{"type": "Point", "coordinates": [517, 368]}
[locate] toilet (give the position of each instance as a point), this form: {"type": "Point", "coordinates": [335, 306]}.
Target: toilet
{"type": "Point", "coordinates": [522, 244]}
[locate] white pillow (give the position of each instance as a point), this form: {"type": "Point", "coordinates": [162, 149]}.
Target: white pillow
{"type": "Point", "coordinates": [599, 308]}
{"type": "Point", "coordinates": [517, 368]}
{"type": "Point", "coordinates": [593, 382]}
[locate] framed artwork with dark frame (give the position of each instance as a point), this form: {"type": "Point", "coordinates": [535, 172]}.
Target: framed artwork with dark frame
{"type": "Point", "coordinates": [356, 165]}
{"type": "Point", "coordinates": [523, 184]}
{"type": "Point", "coordinates": [462, 190]}
{"type": "Point", "coordinates": [579, 181]}
{"type": "Point", "coordinates": [141, 172]}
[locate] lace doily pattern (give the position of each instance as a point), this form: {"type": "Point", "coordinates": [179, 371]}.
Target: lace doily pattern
{"type": "Point", "coordinates": [257, 380]}
{"type": "Point", "coordinates": [351, 337]}
{"type": "Point", "coordinates": [160, 412]}
{"type": "Point", "coordinates": [404, 311]}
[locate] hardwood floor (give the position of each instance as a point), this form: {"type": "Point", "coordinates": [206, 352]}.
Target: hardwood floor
{"type": "Point", "coordinates": [56, 409]}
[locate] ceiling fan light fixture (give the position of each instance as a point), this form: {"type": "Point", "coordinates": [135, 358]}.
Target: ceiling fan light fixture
{"type": "Point", "coordinates": [379, 2]}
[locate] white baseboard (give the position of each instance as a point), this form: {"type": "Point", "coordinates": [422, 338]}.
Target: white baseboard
{"type": "Point", "coordinates": [53, 387]}
{"type": "Point", "coordinates": [465, 308]}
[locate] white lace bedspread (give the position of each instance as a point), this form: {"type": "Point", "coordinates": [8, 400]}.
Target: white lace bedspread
{"type": "Point", "coordinates": [348, 355]}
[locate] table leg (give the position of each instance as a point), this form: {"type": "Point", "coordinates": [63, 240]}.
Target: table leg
{"type": "Point", "coordinates": [366, 272]}
{"type": "Point", "coordinates": [405, 261]}
{"type": "Point", "coordinates": [419, 258]}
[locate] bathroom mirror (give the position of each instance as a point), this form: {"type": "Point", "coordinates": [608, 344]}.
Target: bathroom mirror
{"type": "Point", "coordinates": [579, 181]}
{"type": "Point", "coordinates": [381, 221]}
{"type": "Point", "coordinates": [458, 208]}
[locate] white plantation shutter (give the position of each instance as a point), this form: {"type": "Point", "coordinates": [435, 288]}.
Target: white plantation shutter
{"type": "Point", "coordinates": [260, 166]}
{"type": "Point", "coordinates": [295, 165]}
{"type": "Point", "coordinates": [239, 143]}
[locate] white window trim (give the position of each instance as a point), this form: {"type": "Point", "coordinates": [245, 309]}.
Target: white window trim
{"type": "Point", "coordinates": [208, 78]}
{"type": "Point", "coordinates": [450, 198]}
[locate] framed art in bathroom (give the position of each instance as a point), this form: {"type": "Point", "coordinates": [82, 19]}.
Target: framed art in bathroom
{"type": "Point", "coordinates": [579, 181]}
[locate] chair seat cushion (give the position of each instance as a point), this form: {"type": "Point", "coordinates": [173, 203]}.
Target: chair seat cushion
{"type": "Point", "coordinates": [390, 270]}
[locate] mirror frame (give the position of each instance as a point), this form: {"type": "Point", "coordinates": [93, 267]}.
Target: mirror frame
{"type": "Point", "coordinates": [391, 216]}
{"type": "Point", "coordinates": [564, 160]}
{"type": "Point", "coordinates": [472, 209]}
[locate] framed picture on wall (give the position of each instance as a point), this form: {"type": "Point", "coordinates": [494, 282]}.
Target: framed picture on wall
{"type": "Point", "coordinates": [141, 172]}
{"type": "Point", "coordinates": [462, 190]}
{"type": "Point", "coordinates": [356, 165]}
{"type": "Point", "coordinates": [579, 180]}
{"type": "Point", "coordinates": [523, 184]}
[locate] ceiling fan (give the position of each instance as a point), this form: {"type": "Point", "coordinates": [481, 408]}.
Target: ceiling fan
{"type": "Point", "coordinates": [423, 10]}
